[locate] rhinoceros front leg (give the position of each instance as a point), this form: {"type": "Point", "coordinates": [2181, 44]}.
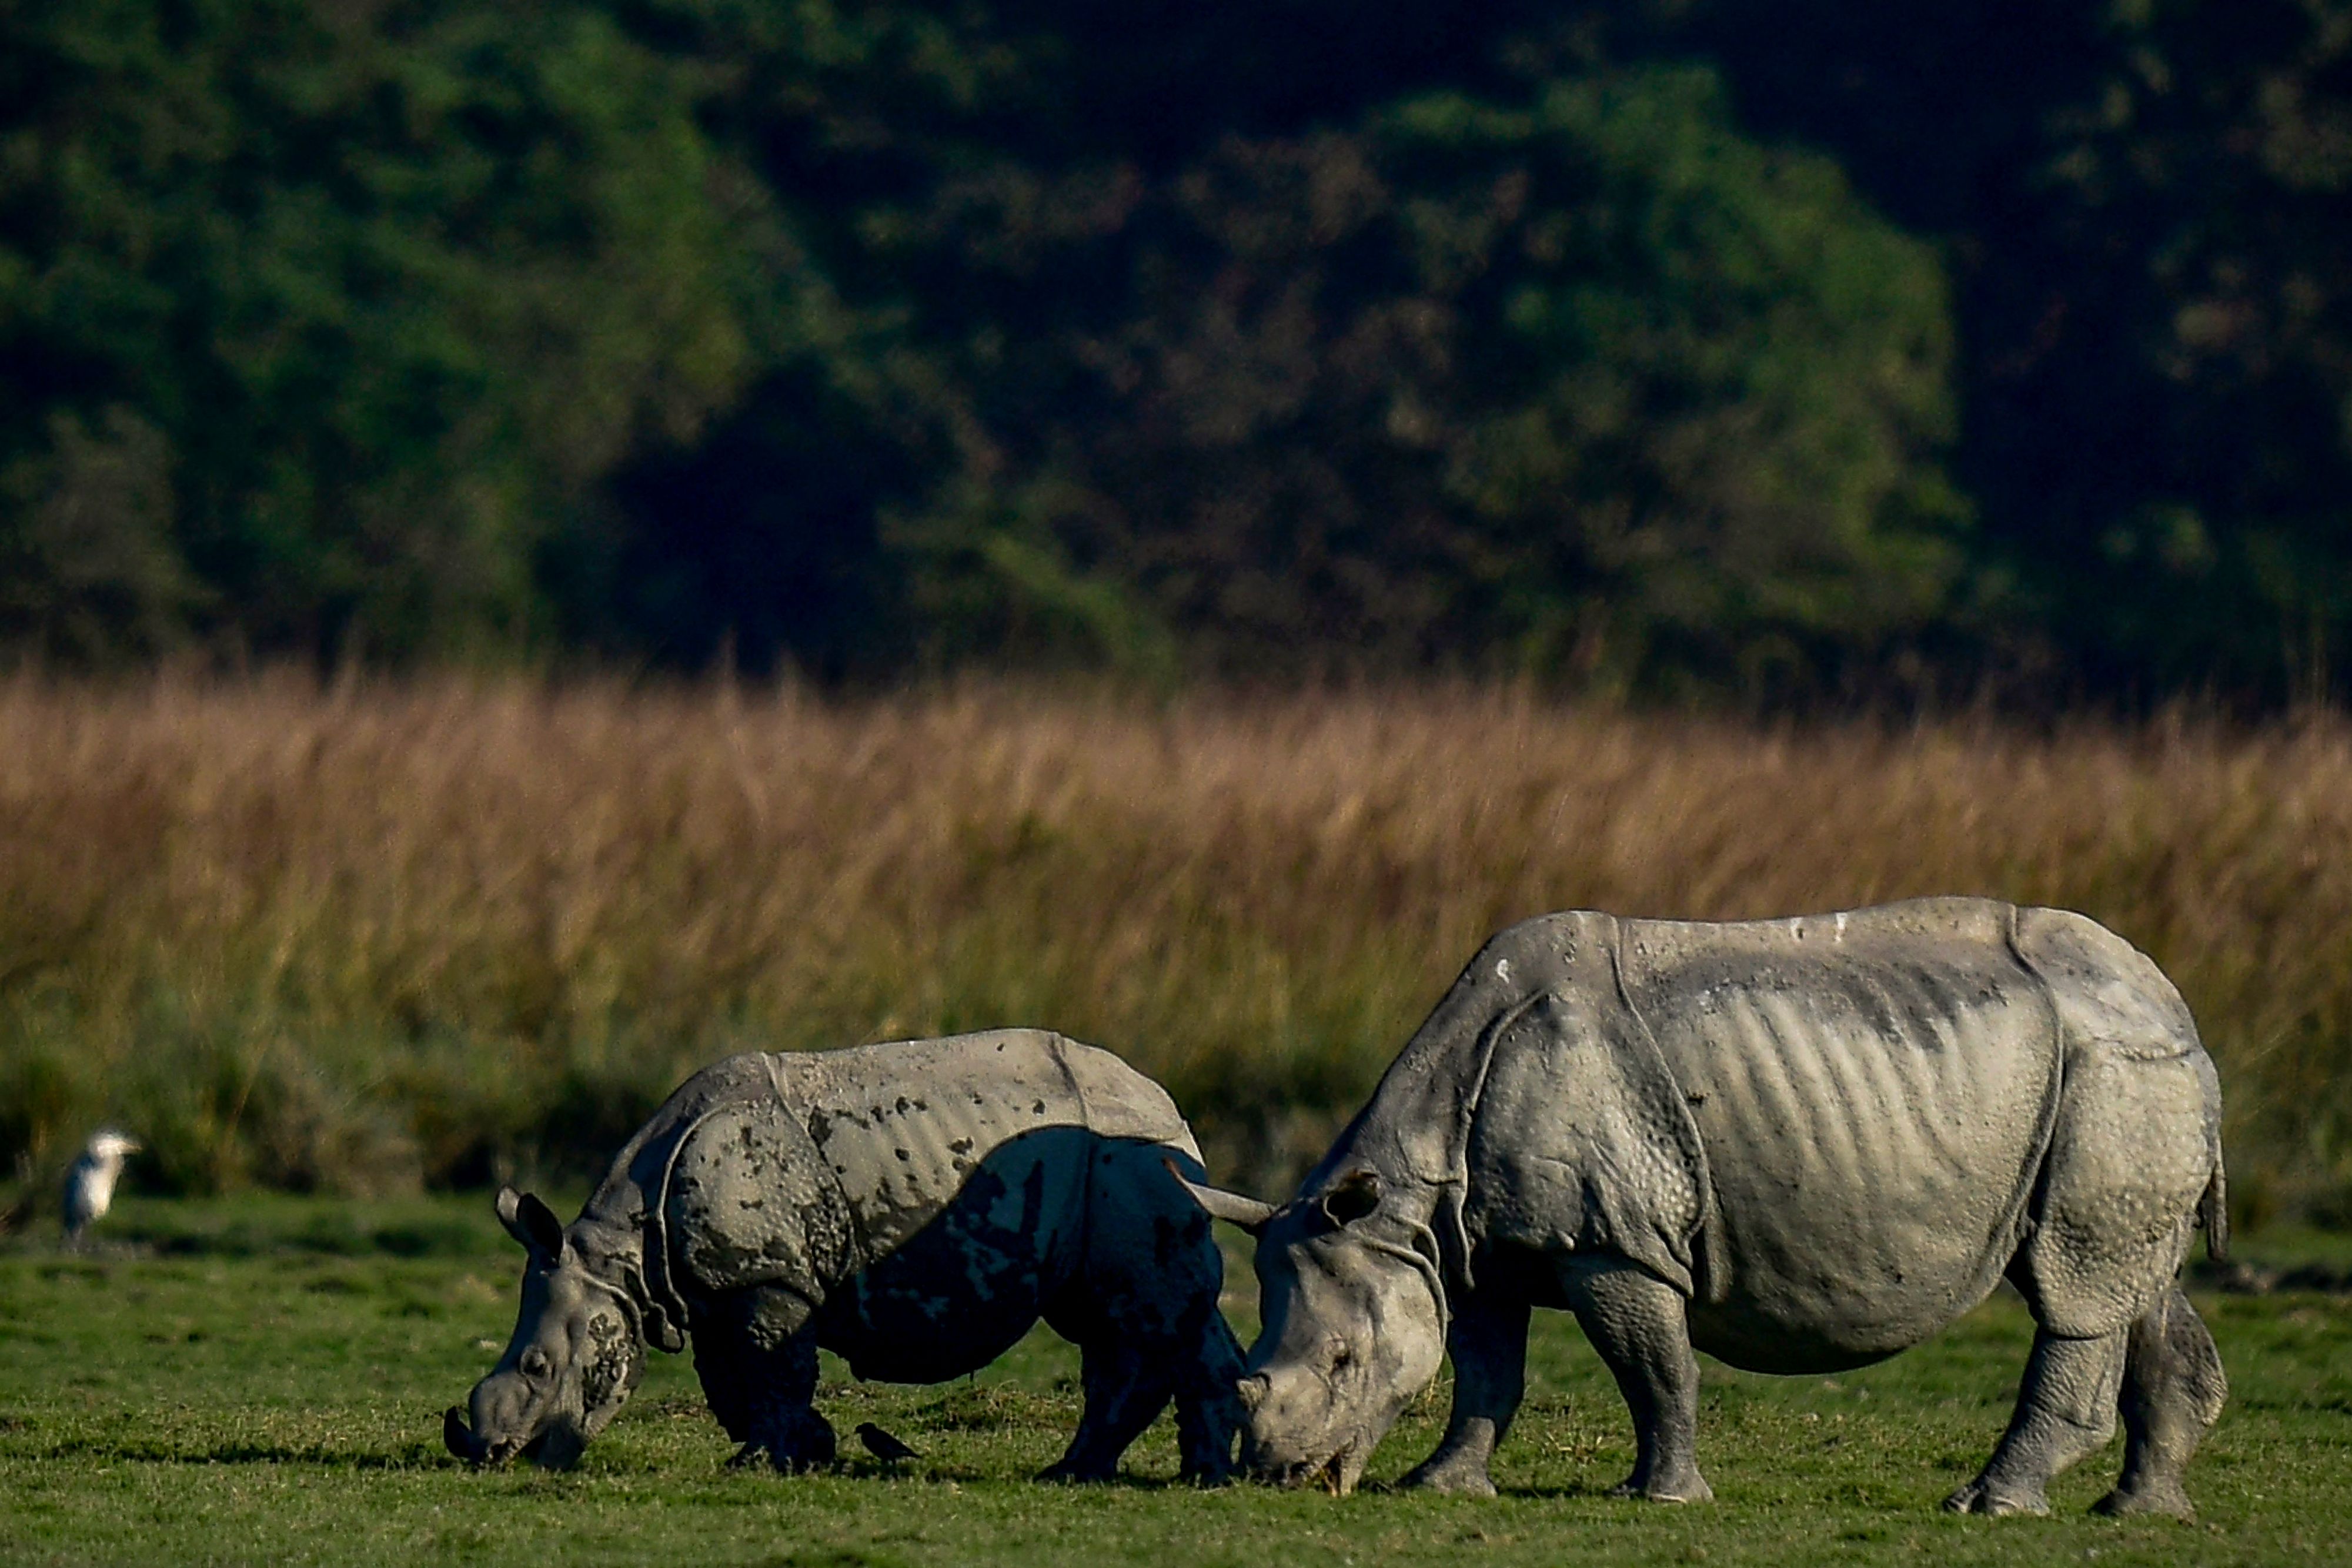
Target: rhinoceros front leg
{"type": "Point", "coordinates": [1127, 1384]}
{"type": "Point", "coordinates": [758, 1367]}
{"type": "Point", "coordinates": [2173, 1390]}
{"type": "Point", "coordinates": [1143, 1311]}
{"type": "Point", "coordinates": [2065, 1409]}
{"type": "Point", "coordinates": [1638, 1324]}
{"type": "Point", "coordinates": [1488, 1342]}
{"type": "Point", "coordinates": [1208, 1412]}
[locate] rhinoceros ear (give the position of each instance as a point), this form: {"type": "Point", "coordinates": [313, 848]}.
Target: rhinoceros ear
{"type": "Point", "coordinates": [1357, 1194]}
{"type": "Point", "coordinates": [530, 1222]}
{"type": "Point", "coordinates": [1230, 1207]}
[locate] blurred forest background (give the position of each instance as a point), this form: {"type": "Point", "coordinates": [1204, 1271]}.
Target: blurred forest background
{"type": "Point", "coordinates": [1685, 349]}
{"type": "Point", "coordinates": [543, 543]}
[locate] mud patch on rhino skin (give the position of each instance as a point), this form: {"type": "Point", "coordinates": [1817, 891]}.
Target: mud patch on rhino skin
{"type": "Point", "coordinates": [823, 1123]}
{"type": "Point", "coordinates": [608, 1364]}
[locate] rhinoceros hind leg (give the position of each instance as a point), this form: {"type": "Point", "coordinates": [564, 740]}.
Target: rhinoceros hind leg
{"type": "Point", "coordinates": [1488, 1342]}
{"type": "Point", "coordinates": [1127, 1385]}
{"type": "Point", "coordinates": [2173, 1390]}
{"type": "Point", "coordinates": [1638, 1324]}
{"type": "Point", "coordinates": [2065, 1409]}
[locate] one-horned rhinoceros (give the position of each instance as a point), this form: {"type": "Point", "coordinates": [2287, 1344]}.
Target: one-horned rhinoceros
{"type": "Point", "coordinates": [1799, 1146]}
{"type": "Point", "coordinates": [914, 1208]}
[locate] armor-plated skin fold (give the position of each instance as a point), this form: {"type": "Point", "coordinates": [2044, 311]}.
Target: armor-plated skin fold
{"type": "Point", "coordinates": [915, 1207]}
{"type": "Point", "coordinates": [1796, 1144]}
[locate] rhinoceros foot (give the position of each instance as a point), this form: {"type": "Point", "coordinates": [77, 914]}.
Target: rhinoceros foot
{"type": "Point", "coordinates": [1995, 1502]}
{"type": "Point", "coordinates": [2162, 1501]}
{"type": "Point", "coordinates": [1677, 1484]}
{"type": "Point", "coordinates": [1068, 1472]}
{"type": "Point", "coordinates": [798, 1442]}
{"type": "Point", "coordinates": [1463, 1479]}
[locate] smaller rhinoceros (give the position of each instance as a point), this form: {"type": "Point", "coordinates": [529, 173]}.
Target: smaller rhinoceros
{"type": "Point", "coordinates": [1799, 1146]}
{"type": "Point", "coordinates": [914, 1208]}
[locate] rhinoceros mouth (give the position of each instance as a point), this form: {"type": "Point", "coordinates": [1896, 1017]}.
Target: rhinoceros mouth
{"type": "Point", "coordinates": [1336, 1474]}
{"type": "Point", "coordinates": [508, 1450]}
{"type": "Point", "coordinates": [490, 1453]}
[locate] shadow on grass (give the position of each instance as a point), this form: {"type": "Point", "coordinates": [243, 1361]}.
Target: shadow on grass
{"type": "Point", "coordinates": [418, 1456]}
{"type": "Point", "coordinates": [1571, 1492]}
{"type": "Point", "coordinates": [328, 1241]}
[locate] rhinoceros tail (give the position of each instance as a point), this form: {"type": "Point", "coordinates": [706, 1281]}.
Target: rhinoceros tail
{"type": "Point", "coordinates": [2213, 1214]}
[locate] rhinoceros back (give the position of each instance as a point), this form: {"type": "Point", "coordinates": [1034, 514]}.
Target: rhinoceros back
{"type": "Point", "coordinates": [802, 1170]}
{"type": "Point", "coordinates": [902, 1125]}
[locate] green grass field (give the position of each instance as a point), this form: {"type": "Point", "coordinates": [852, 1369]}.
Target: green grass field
{"type": "Point", "coordinates": [260, 1380]}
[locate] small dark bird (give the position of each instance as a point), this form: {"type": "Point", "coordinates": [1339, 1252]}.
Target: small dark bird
{"type": "Point", "coordinates": [883, 1446]}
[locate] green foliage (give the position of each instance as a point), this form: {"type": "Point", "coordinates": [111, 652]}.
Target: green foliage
{"type": "Point", "coordinates": [89, 560]}
{"type": "Point", "coordinates": [2143, 205]}
{"type": "Point", "coordinates": [402, 332]}
{"type": "Point", "coordinates": [1584, 385]}
{"type": "Point", "coordinates": [1789, 350]}
{"type": "Point", "coordinates": [335, 313]}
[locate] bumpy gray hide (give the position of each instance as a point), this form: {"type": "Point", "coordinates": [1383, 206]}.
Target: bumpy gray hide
{"type": "Point", "coordinates": [1797, 1144]}
{"type": "Point", "coordinates": [916, 1207]}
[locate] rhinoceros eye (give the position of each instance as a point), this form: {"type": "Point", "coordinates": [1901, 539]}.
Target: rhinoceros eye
{"type": "Point", "coordinates": [534, 1363]}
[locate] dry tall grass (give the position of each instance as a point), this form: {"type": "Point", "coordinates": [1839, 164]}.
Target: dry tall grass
{"type": "Point", "coordinates": [386, 934]}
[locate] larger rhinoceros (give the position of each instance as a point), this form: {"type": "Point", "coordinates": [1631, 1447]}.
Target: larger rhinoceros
{"type": "Point", "coordinates": [1799, 1145]}
{"type": "Point", "coordinates": [914, 1208]}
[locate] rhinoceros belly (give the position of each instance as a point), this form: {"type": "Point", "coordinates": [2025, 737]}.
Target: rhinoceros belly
{"type": "Point", "coordinates": [958, 1293]}
{"type": "Point", "coordinates": [1872, 1114]}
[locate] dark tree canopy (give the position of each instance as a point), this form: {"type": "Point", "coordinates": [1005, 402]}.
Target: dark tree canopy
{"type": "Point", "coordinates": [1782, 352]}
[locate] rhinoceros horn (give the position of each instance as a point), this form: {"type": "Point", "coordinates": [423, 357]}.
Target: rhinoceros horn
{"type": "Point", "coordinates": [459, 1438]}
{"type": "Point", "coordinates": [1248, 1213]}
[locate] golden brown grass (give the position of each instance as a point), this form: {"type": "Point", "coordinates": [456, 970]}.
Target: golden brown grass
{"type": "Point", "coordinates": [383, 932]}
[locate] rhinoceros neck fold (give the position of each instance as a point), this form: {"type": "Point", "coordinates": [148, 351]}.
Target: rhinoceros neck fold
{"type": "Point", "coordinates": [1416, 1129]}
{"type": "Point", "coordinates": [1416, 1125]}
{"type": "Point", "coordinates": [619, 1233]}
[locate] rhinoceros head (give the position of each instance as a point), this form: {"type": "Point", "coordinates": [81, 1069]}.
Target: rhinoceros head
{"type": "Point", "coordinates": [1353, 1327]}
{"type": "Point", "coordinates": [573, 1362]}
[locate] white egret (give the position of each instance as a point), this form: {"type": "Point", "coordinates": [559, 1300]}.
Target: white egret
{"type": "Point", "coordinates": [89, 1185]}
